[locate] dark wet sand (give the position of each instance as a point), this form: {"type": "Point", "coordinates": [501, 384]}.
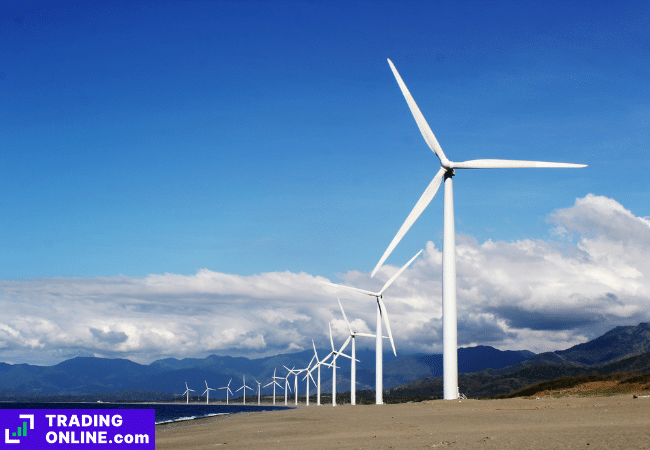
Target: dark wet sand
{"type": "Point", "coordinates": [618, 422]}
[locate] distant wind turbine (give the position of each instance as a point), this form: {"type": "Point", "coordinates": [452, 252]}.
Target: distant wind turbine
{"type": "Point", "coordinates": [308, 376]}
{"type": "Point", "coordinates": [259, 390]}
{"type": "Point", "coordinates": [335, 354]}
{"type": "Point", "coordinates": [316, 367]}
{"type": "Point", "coordinates": [381, 313]}
{"type": "Point", "coordinates": [207, 392]}
{"type": "Point", "coordinates": [274, 383]}
{"type": "Point", "coordinates": [227, 388]}
{"type": "Point", "coordinates": [287, 387]}
{"type": "Point", "coordinates": [353, 369]}
{"type": "Point", "coordinates": [295, 373]}
{"type": "Point", "coordinates": [187, 391]}
{"type": "Point", "coordinates": [446, 172]}
{"type": "Point", "coordinates": [244, 387]}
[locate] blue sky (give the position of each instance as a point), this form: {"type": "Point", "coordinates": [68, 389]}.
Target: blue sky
{"type": "Point", "coordinates": [248, 139]}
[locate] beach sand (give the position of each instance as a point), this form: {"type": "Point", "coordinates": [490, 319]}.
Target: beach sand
{"type": "Point", "coordinates": [617, 422]}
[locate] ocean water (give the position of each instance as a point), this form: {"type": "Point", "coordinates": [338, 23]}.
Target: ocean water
{"type": "Point", "coordinates": [165, 412]}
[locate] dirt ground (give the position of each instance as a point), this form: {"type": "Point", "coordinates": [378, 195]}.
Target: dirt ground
{"type": "Point", "coordinates": [613, 422]}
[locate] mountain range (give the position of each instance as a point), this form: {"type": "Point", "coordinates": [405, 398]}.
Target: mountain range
{"type": "Point", "coordinates": [623, 348]}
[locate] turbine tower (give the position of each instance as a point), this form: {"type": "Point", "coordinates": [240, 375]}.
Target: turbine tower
{"type": "Point", "coordinates": [207, 392]}
{"type": "Point", "coordinates": [381, 313]}
{"type": "Point", "coordinates": [446, 172]}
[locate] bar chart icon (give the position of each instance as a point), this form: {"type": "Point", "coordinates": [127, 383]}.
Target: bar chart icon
{"type": "Point", "coordinates": [22, 431]}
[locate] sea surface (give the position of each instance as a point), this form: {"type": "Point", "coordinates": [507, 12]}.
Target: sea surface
{"type": "Point", "coordinates": [165, 412]}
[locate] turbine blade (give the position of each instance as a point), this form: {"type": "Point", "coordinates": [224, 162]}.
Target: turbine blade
{"type": "Point", "coordinates": [322, 361]}
{"type": "Point", "coordinates": [350, 288]}
{"type": "Point", "coordinates": [344, 316]}
{"type": "Point", "coordinates": [365, 335]}
{"type": "Point", "coordinates": [399, 272]}
{"type": "Point", "coordinates": [420, 206]}
{"type": "Point", "coordinates": [427, 134]}
{"type": "Point", "coordinates": [331, 339]}
{"type": "Point", "coordinates": [384, 314]}
{"type": "Point", "coordinates": [512, 164]}
{"type": "Point", "coordinates": [347, 341]}
{"type": "Point", "coordinates": [315, 352]}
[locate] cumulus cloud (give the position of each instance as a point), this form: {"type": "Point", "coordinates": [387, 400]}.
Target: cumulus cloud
{"type": "Point", "coordinates": [533, 294]}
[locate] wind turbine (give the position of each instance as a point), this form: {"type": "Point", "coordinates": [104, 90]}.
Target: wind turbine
{"type": "Point", "coordinates": [244, 387]}
{"type": "Point", "coordinates": [353, 370]}
{"type": "Point", "coordinates": [207, 392]}
{"type": "Point", "coordinates": [446, 172]}
{"type": "Point", "coordinates": [259, 390]}
{"type": "Point", "coordinates": [227, 388]}
{"type": "Point", "coordinates": [335, 354]}
{"type": "Point", "coordinates": [379, 345]}
{"type": "Point", "coordinates": [274, 383]}
{"type": "Point", "coordinates": [187, 391]}
{"type": "Point", "coordinates": [286, 386]}
{"type": "Point", "coordinates": [307, 377]}
{"type": "Point", "coordinates": [317, 366]}
{"type": "Point", "coordinates": [295, 373]}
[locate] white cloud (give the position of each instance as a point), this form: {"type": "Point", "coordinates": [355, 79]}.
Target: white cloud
{"type": "Point", "coordinates": [538, 295]}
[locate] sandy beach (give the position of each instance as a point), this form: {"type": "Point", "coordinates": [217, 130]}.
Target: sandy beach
{"type": "Point", "coordinates": [617, 422]}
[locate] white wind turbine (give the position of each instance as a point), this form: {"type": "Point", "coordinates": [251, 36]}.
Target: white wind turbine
{"type": "Point", "coordinates": [295, 373]}
{"type": "Point", "coordinates": [379, 345]}
{"type": "Point", "coordinates": [446, 172]}
{"type": "Point", "coordinates": [227, 388]}
{"type": "Point", "coordinates": [274, 383]}
{"type": "Point", "coordinates": [316, 367]}
{"type": "Point", "coordinates": [287, 387]}
{"type": "Point", "coordinates": [207, 392]}
{"type": "Point", "coordinates": [308, 376]}
{"type": "Point", "coordinates": [259, 390]}
{"type": "Point", "coordinates": [244, 387]}
{"type": "Point", "coordinates": [187, 391]}
{"type": "Point", "coordinates": [353, 370]}
{"type": "Point", "coordinates": [335, 354]}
